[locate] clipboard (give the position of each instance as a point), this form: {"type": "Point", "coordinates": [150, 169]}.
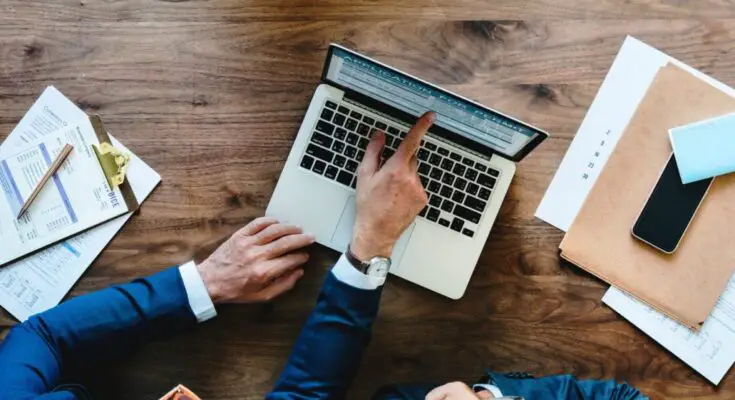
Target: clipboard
{"type": "Point", "coordinates": [17, 239]}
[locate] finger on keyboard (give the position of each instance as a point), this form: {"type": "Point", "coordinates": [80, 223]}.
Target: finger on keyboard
{"type": "Point", "coordinates": [413, 139]}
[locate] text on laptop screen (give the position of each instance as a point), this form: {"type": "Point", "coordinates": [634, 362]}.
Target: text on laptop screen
{"type": "Point", "coordinates": [415, 97]}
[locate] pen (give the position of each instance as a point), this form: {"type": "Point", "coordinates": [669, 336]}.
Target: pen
{"type": "Point", "coordinates": [51, 171]}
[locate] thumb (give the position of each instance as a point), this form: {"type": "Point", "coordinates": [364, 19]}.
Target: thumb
{"type": "Point", "coordinates": [371, 161]}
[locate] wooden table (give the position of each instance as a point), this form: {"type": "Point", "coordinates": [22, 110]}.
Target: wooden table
{"type": "Point", "coordinates": [211, 92]}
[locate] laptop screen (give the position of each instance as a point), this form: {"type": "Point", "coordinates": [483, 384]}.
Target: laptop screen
{"type": "Point", "coordinates": [413, 96]}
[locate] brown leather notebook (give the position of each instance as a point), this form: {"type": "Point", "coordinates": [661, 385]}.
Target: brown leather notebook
{"type": "Point", "coordinates": [686, 284]}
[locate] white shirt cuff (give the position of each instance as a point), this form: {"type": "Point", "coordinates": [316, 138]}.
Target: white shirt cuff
{"type": "Point", "coordinates": [347, 274]}
{"type": "Point", "coordinates": [494, 390]}
{"type": "Point", "coordinates": [199, 300]}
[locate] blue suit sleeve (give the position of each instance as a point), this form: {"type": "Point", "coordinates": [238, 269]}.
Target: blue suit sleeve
{"type": "Point", "coordinates": [327, 354]}
{"type": "Point", "coordinates": [77, 334]}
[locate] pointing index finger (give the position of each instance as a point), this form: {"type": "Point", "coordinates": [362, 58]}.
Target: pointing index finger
{"type": "Point", "coordinates": [413, 139]}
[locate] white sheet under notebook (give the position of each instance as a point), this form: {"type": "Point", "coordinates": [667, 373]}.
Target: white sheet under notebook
{"type": "Point", "coordinates": [40, 281]}
{"type": "Point", "coordinates": [711, 351]}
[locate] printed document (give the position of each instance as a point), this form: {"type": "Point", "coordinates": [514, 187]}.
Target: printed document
{"type": "Point", "coordinates": [39, 282]}
{"type": "Point", "coordinates": [76, 198]}
{"type": "Point", "coordinates": [711, 351]}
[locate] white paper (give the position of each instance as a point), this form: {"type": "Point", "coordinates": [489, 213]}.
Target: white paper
{"type": "Point", "coordinates": [40, 281]}
{"type": "Point", "coordinates": [711, 351]}
{"type": "Point", "coordinates": [76, 198]}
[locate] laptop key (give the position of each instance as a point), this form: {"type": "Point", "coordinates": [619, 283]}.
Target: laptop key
{"type": "Point", "coordinates": [455, 157]}
{"type": "Point", "coordinates": [381, 126]}
{"type": "Point", "coordinates": [468, 232]}
{"type": "Point", "coordinates": [402, 134]}
{"type": "Point", "coordinates": [443, 222]}
{"type": "Point", "coordinates": [458, 196]}
{"type": "Point", "coordinates": [387, 153]}
{"type": "Point", "coordinates": [319, 167]}
{"type": "Point", "coordinates": [446, 191]}
{"type": "Point", "coordinates": [397, 143]}
{"type": "Point", "coordinates": [393, 131]}
{"type": "Point", "coordinates": [424, 181]}
{"type": "Point", "coordinates": [457, 224]}
{"type": "Point", "coordinates": [331, 172]}
{"type": "Point", "coordinates": [360, 155]}
{"type": "Point", "coordinates": [321, 140]}
{"type": "Point", "coordinates": [340, 161]}
{"type": "Point", "coordinates": [484, 194]}
{"type": "Point", "coordinates": [327, 114]}
{"type": "Point", "coordinates": [352, 139]}
{"type": "Point", "coordinates": [435, 159]}
{"type": "Point", "coordinates": [471, 174]}
{"type": "Point", "coordinates": [460, 184]}
{"type": "Point", "coordinates": [340, 134]}
{"type": "Point", "coordinates": [338, 147]}
{"type": "Point", "coordinates": [424, 168]}
{"type": "Point", "coordinates": [459, 169]}
{"type": "Point", "coordinates": [475, 204]}
{"type": "Point", "coordinates": [430, 146]}
{"type": "Point", "coordinates": [325, 127]}
{"type": "Point", "coordinates": [331, 105]}
{"type": "Point", "coordinates": [481, 167]}
{"type": "Point", "coordinates": [363, 130]}
{"type": "Point", "coordinates": [493, 173]}
{"type": "Point", "coordinates": [448, 178]}
{"type": "Point", "coordinates": [443, 151]}
{"type": "Point", "coordinates": [320, 153]}
{"type": "Point", "coordinates": [472, 189]}
{"type": "Point", "coordinates": [368, 120]}
{"type": "Point", "coordinates": [350, 152]}
{"type": "Point", "coordinates": [433, 214]}
{"type": "Point", "coordinates": [345, 178]}
{"type": "Point", "coordinates": [356, 115]}
{"type": "Point", "coordinates": [363, 143]}
{"type": "Point", "coordinates": [466, 161]}
{"type": "Point", "coordinates": [423, 211]}
{"type": "Point", "coordinates": [434, 186]}
{"type": "Point", "coordinates": [487, 181]}
{"type": "Point", "coordinates": [436, 173]}
{"type": "Point", "coordinates": [344, 110]}
{"type": "Point", "coordinates": [388, 140]}
{"type": "Point", "coordinates": [351, 166]}
{"type": "Point", "coordinates": [435, 201]}
{"type": "Point", "coordinates": [447, 164]}
{"type": "Point", "coordinates": [351, 124]}
{"type": "Point", "coordinates": [354, 183]}
{"type": "Point", "coordinates": [307, 161]}
{"type": "Point", "coordinates": [422, 154]}
{"type": "Point", "coordinates": [467, 214]}
{"type": "Point", "coordinates": [339, 119]}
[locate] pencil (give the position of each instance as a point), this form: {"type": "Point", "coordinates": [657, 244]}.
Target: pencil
{"type": "Point", "coordinates": [51, 171]}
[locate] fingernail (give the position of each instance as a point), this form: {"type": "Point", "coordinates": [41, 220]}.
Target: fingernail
{"type": "Point", "coordinates": [312, 238]}
{"type": "Point", "coordinates": [432, 116]}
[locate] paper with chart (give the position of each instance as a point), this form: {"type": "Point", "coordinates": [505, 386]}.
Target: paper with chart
{"type": "Point", "coordinates": [710, 352]}
{"type": "Point", "coordinates": [76, 198]}
{"type": "Point", "coordinates": [39, 282]}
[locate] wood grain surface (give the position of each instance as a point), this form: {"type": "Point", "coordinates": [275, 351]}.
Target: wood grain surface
{"type": "Point", "coordinates": [211, 93]}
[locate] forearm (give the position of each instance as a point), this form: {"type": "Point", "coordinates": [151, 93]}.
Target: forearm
{"type": "Point", "coordinates": [83, 331]}
{"type": "Point", "coordinates": [329, 349]}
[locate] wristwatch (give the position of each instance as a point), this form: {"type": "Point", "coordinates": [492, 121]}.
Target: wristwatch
{"type": "Point", "coordinates": [376, 268]}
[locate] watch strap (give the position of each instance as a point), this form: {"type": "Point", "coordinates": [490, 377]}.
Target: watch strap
{"type": "Point", "coordinates": [360, 265]}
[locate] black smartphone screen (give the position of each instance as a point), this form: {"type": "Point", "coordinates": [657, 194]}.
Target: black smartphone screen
{"type": "Point", "coordinates": [669, 209]}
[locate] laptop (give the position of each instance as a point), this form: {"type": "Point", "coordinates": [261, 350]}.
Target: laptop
{"type": "Point", "coordinates": [466, 163]}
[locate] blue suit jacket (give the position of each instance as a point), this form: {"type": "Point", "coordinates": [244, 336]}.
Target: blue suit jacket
{"type": "Point", "coordinates": [41, 354]}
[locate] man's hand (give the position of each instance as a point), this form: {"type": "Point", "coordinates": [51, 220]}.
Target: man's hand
{"type": "Point", "coordinates": [388, 198]}
{"type": "Point", "coordinates": [257, 264]}
{"type": "Point", "coordinates": [457, 391]}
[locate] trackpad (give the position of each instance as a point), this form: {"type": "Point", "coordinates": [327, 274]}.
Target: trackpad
{"type": "Point", "coordinates": [343, 233]}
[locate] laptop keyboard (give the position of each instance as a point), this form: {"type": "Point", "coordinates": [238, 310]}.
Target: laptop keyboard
{"type": "Point", "coordinates": [459, 187]}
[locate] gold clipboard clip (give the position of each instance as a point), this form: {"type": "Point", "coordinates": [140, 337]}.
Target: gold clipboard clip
{"type": "Point", "coordinates": [114, 163]}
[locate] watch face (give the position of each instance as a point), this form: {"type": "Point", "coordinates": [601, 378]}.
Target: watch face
{"type": "Point", "coordinates": [379, 267]}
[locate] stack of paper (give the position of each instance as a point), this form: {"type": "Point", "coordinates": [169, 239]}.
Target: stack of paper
{"type": "Point", "coordinates": [40, 281]}
{"type": "Point", "coordinates": [711, 350]}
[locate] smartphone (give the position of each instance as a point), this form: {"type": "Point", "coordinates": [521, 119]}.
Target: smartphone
{"type": "Point", "coordinates": [669, 209]}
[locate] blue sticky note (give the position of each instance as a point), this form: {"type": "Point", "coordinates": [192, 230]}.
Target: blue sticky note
{"type": "Point", "coordinates": [704, 149]}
